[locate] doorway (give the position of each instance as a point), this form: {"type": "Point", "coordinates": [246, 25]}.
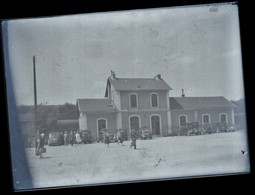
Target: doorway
{"type": "Point", "coordinates": [155, 124]}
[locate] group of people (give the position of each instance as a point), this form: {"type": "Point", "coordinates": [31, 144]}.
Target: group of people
{"type": "Point", "coordinates": [120, 139]}
{"type": "Point", "coordinates": [107, 139]}
{"type": "Point", "coordinates": [72, 137]}
{"type": "Point", "coordinates": [78, 137]}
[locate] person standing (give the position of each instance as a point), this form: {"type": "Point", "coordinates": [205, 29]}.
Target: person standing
{"type": "Point", "coordinates": [78, 137]}
{"type": "Point", "coordinates": [83, 137]}
{"type": "Point", "coordinates": [40, 145]}
{"type": "Point", "coordinates": [71, 138]}
{"type": "Point", "coordinates": [106, 138]}
{"type": "Point", "coordinates": [133, 138]}
{"type": "Point", "coordinates": [61, 137]}
{"type": "Point", "coordinates": [37, 141]}
{"type": "Point", "coordinates": [119, 137]}
{"type": "Point", "coordinates": [65, 138]}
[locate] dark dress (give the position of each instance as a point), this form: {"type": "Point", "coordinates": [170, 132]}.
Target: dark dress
{"type": "Point", "coordinates": [133, 138]}
{"type": "Point", "coordinates": [71, 138]}
{"type": "Point", "coordinates": [106, 139]}
{"type": "Point", "coordinates": [39, 146]}
{"type": "Point", "coordinates": [37, 142]}
{"type": "Point", "coordinates": [120, 138]}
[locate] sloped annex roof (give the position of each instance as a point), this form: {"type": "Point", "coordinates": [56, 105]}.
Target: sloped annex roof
{"type": "Point", "coordinates": [72, 124]}
{"type": "Point", "coordinates": [68, 122]}
{"type": "Point", "coordinates": [96, 106]}
{"type": "Point", "coordinates": [178, 103]}
{"type": "Point", "coordinates": [123, 84]}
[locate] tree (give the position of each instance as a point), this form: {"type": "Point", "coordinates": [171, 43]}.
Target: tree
{"type": "Point", "coordinates": [68, 111]}
{"type": "Point", "coordinates": [47, 116]}
{"type": "Point", "coordinates": [240, 105]}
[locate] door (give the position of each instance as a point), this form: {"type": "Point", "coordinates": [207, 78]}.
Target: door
{"type": "Point", "coordinates": [155, 125]}
{"type": "Point", "coordinates": [101, 126]}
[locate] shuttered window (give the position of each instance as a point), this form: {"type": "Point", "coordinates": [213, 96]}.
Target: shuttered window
{"type": "Point", "coordinates": [101, 124]}
{"type": "Point", "coordinates": [134, 122]}
{"type": "Point", "coordinates": [182, 121]}
{"type": "Point", "coordinates": [133, 100]}
{"type": "Point", "coordinates": [154, 100]}
{"type": "Point", "coordinates": [206, 119]}
{"type": "Point", "coordinates": [223, 118]}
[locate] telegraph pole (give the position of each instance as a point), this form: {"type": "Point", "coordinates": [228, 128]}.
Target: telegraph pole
{"type": "Point", "coordinates": [35, 96]}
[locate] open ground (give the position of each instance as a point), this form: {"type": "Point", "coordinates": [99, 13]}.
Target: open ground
{"type": "Point", "coordinates": [159, 158]}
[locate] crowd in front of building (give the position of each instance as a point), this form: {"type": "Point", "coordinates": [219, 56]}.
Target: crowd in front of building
{"type": "Point", "coordinates": [134, 104]}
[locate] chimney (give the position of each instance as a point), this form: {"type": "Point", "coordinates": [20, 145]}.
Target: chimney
{"type": "Point", "coordinates": [183, 95]}
{"type": "Point", "coordinates": [158, 77]}
{"type": "Point", "coordinates": [111, 105]}
{"type": "Point", "coordinates": [113, 75]}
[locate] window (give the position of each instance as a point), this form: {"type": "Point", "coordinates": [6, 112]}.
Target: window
{"type": "Point", "coordinates": [223, 118]}
{"type": "Point", "coordinates": [101, 124]}
{"type": "Point", "coordinates": [133, 100]}
{"type": "Point", "coordinates": [154, 100]}
{"type": "Point", "coordinates": [134, 122]}
{"type": "Point", "coordinates": [206, 119]}
{"type": "Point", "coordinates": [182, 120]}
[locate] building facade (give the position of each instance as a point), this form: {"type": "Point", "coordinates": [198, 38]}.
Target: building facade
{"type": "Point", "coordinates": [134, 103]}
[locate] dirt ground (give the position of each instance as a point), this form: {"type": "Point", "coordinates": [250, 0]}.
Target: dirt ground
{"type": "Point", "coordinates": [159, 158]}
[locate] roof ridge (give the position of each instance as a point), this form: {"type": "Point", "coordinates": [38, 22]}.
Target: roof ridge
{"type": "Point", "coordinates": [197, 102]}
{"type": "Point", "coordinates": [133, 78]}
{"type": "Point", "coordinates": [197, 97]}
{"type": "Point", "coordinates": [93, 99]}
{"type": "Point", "coordinates": [67, 119]}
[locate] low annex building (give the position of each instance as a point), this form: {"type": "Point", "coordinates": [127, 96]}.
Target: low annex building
{"type": "Point", "coordinates": [200, 109]}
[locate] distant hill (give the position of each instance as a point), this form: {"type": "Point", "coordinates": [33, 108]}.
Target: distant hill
{"type": "Point", "coordinates": [61, 112]}
{"type": "Point", "coordinates": [240, 114]}
{"type": "Point", "coordinates": [240, 105]}
{"type": "Point", "coordinates": [47, 117]}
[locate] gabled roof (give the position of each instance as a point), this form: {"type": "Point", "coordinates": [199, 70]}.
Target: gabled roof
{"type": "Point", "coordinates": [177, 103]}
{"type": "Point", "coordinates": [131, 84]}
{"type": "Point", "coordinates": [95, 106]}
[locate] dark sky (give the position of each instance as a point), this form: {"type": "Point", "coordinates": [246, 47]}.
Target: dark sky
{"type": "Point", "coordinates": [196, 48]}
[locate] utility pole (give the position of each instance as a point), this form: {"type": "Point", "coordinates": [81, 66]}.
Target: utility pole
{"type": "Point", "coordinates": [35, 96]}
